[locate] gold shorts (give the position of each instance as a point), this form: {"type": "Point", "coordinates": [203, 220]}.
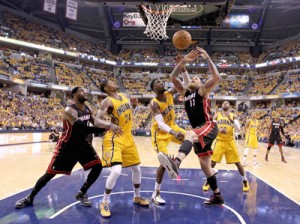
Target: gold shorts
{"type": "Point", "coordinates": [251, 141]}
{"type": "Point", "coordinates": [160, 139]}
{"type": "Point", "coordinates": [120, 150]}
{"type": "Point", "coordinates": [221, 147]}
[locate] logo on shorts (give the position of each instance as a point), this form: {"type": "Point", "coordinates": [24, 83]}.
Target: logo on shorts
{"type": "Point", "coordinates": [108, 154]}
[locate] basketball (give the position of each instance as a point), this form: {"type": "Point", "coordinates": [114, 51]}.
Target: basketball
{"type": "Point", "coordinates": [182, 39]}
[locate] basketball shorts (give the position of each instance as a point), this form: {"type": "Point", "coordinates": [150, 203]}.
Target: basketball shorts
{"type": "Point", "coordinates": [275, 138]}
{"type": "Point", "coordinates": [160, 139]}
{"type": "Point", "coordinates": [66, 156]}
{"type": "Point", "coordinates": [221, 147]}
{"type": "Point", "coordinates": [119, 150]}
{"type": "Point", "coordinates": [206, 135]}
{"type": "Point", "coordinates": [251, 141]}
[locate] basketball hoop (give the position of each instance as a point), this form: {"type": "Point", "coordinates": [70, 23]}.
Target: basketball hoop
{"type": "Point", "coordinates": [157, 21]}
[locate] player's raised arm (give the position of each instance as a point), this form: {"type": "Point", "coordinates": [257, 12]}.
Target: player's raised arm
{"type": "Point", "coordinates": [178, 85]}
{"type": "Point", "coordinates": [213, 81]}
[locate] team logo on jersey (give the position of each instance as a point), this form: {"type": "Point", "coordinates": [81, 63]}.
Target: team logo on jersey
{"type": "Point", "coordinates": [121, 109]}
{"type": "Point", "coordinates": [167, 110]}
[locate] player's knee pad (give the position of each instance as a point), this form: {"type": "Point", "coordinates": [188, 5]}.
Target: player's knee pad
{"type": "Point", "coordinates": [186, 147]}
{"type": "Point", "coordinates": [269, 147]}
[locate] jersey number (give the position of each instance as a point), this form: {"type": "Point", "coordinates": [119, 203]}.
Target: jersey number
{"type": "Point", "coordinates": [276, 126]}
{"type": "Point", "coordinates": [127, 118]}
{"type": "Point", "coordinates": [192, 102]}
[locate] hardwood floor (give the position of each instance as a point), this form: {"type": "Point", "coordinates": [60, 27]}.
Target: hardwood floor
{"type": "Point", "coordinates": [22, 165]}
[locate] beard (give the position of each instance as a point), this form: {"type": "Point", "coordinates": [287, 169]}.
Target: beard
{"type": "Point", "coordinates": [225, 108]}
{"type": "Point", "coordinates": [82, 99]}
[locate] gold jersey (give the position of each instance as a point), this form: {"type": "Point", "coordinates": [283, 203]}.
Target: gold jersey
{"type": "Point", "coordinates": [167, 111]}
{"type": "Point", "coordinates": [253, 126]}
{"type": "Point", "coordinates": [121, 114]}
{"type": "Point", "coordinates": [224, 122]}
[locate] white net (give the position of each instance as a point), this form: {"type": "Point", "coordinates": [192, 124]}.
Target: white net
{"type": "Point", "coordinates": [157, 21]}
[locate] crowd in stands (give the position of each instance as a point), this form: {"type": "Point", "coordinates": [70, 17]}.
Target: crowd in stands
{"type": "Point", "coordinates": [73, 76]}
{"type": "Point", "coordinates": [18, 112]}
{"type": "Point", "coordinates": [292, 84]}
{"type": "Point", "coordinates": [263, 85]}
{"type": "Point", "coordinates": [36, 111]}
{"type": "Point", "coordinates": [25, 29]}
{"type": "Point", "coordinates": [24, 66]}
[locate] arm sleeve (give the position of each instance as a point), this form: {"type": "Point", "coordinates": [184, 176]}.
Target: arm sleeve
{"type": "Point", "coordinates": [236, 125]}
{"type": "Point", "coordinates": [81, 127]}
{"type": "Point", "coordinates": [161, 124]}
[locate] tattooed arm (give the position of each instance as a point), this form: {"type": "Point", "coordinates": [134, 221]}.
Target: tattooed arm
{"type": "Point", "coordinates": [178, 85]}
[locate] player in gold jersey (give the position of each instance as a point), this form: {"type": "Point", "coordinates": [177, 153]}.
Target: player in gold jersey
{"type": "Point", "coordinates": [164, 129]}
{"type": "Point", "coordinates": [251, 138]}
{"type": "Point", "coordinates": [225, 143]}
{"type": "Point", "coordinates": [119, 150]}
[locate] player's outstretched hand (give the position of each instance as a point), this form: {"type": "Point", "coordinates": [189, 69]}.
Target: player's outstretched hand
{"type": "Point", "coordinates": [191, 56]}
{"type": "Point", "coordinates": [116, 129]}
{"type": "Point", "coordinates": [203, 53]}
{"type": "Point", "coordinates": [134, 101]}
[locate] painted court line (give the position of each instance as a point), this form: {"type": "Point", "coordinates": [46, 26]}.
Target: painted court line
{"type": "Point", "coordinates": [166, 192]}
{"type": "Point", "coordinates": [273, 187]}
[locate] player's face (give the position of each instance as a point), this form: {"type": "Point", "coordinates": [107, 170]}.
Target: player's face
{"type": "Point", "coordinates": [159, 86]}
{"type": "Point", "coordinates": [111, 86]}
{"type": "Point", "coordinates": [225, 105]}
{"type": "Point", "coordinates": [194, 83]}
{"type": "Point", "coordinates": [81, 95]}
{"type": "Point", "coordinates": [276, 116]}
{"type": "Point", "coordinates": [254, 115]}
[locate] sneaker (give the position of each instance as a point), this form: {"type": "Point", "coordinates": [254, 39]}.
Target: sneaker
{"type": "Point", "coordinates": [83, 198]}
{"type": "Point", "coordinates": [140, 201]}
{"type": "Point", "coordinates": [214, 200]}
{"type": "Point", "coordinates": [104, 209]}
{"type": "Point", "coordinates": [158, 200]}
{"type": "Point", "coordinates": [24, 202]}
{"type": "Point", "coordinates": [245, 186]}
{"type": "Point", "coordinates": [205, 186]}
{"type": "Point", "coordinates": [266, 157]}
{"type": "Point", "coordinates": [283, 159]}
{"type": "Point", "coordinates": [169, 164]}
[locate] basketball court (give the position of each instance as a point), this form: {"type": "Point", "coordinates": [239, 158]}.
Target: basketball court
{"type": "Point", "coordinates": [271, 198]}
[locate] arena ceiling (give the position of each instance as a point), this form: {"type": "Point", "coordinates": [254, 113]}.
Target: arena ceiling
{"type": "Point", "coordinates": [276, 20]}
